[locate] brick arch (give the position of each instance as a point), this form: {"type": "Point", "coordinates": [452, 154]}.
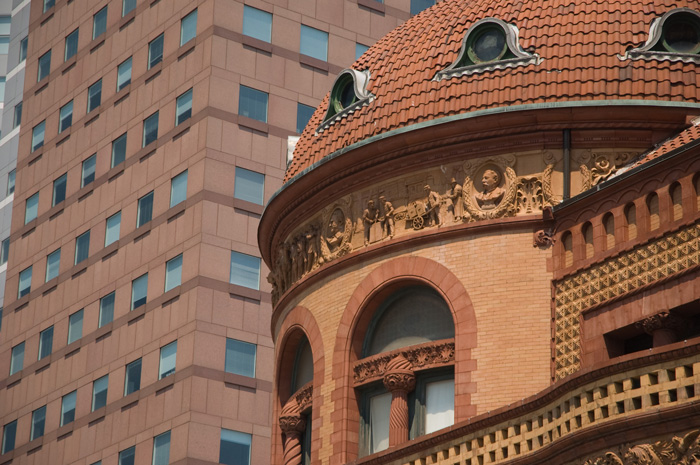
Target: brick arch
{"type": "Point", "coordinates": [299, 321]}
{"type": "Point", "coordinates": [368, 295]}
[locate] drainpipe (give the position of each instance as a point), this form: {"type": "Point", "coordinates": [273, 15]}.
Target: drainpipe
{"type": "Point", "coordinates": [567, 163]}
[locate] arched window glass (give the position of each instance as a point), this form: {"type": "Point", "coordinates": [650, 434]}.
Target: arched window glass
{"type": "Point", "coordinates": [609, 224]}
{"type": "Point", "coordinates": [408, 317]}
{"type": "Point", "coordinates": [567, 241]}
{"type": "Point", "coordinates": [587, 232]}
{"type": "Point", "coordinates": [631, 218]}
{"type": "Point", "coordinates": [303, 366]}
{"type": "Point", "coordinates": [653, 207]}
{"type": "Point", "coordinates": [677, 199]}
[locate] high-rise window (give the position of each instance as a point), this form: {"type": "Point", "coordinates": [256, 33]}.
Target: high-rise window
{"type": "Point", "coordinates": [68, 408]}
{"type": "Point", "coordinates": [178, 189]}
{"type": "Point", "coordinates": [25, 282]}
{"type": "Point", "coordinates": [48, 4]}
{"type": "Point", "coordinates": [127, 456]}
{"type": "Point", "coordinates": [38, 421]}
{"type": "Point", "coordinates": [106, 309]}
{"type": "Point", "coordinates": [234, 448]}
{"type": "Point", "coordinates": [183, 107]}
{"type": "Point", "coordinates": [419, 5]}
{"type": "Point", "coordinates": [304, 114]}
{"type": "Point", "coordinates": [161, 449]}
{"type": "Point", "coordinates": [144, 210]}
{"type": "Point", "coordinates": [128, 6]}
{"type": "Point", "coordinates": [59, 190]}
{"type": "Point", "coordinates": [168, 355]}
{"type": "Point", "coordinates": [249, 186]}
{"type": "Point", "coordinates": [88, 170]}
{"type": "Point", "coordinates": [240, 357]}
{"type": "Point", "coordinates": [75, 326]}
{"type": "Point", "coordinates": [71, 47]}
{"type": "Point", "coordinates": [94, 96]}
{"type": "Point", "coordinates": [252, 103]}
{"type": "Point", "coordinates": [82, 247]}
{"type": "Point", "coordinates": [314, 43]}
{"type": "Point", "coordinates": [173, 273]}
{"type": "Point", "coordinates": [155, 51]}
{"type": "Point", "coordinates": [17, 358]}
{"type": "Point", "coordinates": [124, 74]}
{"type": "Point", "coordinates": [257, 23]}
{"type": "Point", "coordinates": [11, 182]}
{"type": "Point", "coordinates": [360, 49]}
{"type": "Point", "coordinates": [139, 290]}
{"type": "Point", "coordinates": [245, 270]}
{"type": "Point", "coordinates": [9, 433]}
{"type": "Point", "coordinates": [118, 150]}
{"type": "Point", "coordinates": [38, 136]}
{"type": "Point", "coordinates": [53, 263]}
{"type": "Point", "coordinates": [23, 45]}
{"type": "Point", "coordinates": [4, 251]}
{"type": "Point", "coordinates": [99, 392]}
{"type": "Point", "coordinates": [188, 28]}
{"type": "Point", "coordinates": [17, 119]}
{"type": "Point", "coordinates": [99, 23]}
{"type": "Point", "coordinates": [45, 342]}
{"type": "Point", "coordinates": [132, 377]}
{"type": "Point", "coordinates": [44, 66]}
{"type": "Point", "coordinates": [4, 35]}
{"type": "Point", "coordinates": [150, 129]}
{"type": "Point", "coordinates": [2, 79]}
{"type": "Point", "coordinates": [65, 119]}
{"type": "Point", "coordinates": [113, 228]}
{"type": "Point", "coordinates": [31, 208]}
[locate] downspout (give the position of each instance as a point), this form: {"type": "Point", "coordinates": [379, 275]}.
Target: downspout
{"type": "Point", "coordinates": [567, 163]}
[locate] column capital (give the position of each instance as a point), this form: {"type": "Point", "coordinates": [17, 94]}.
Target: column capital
{"type": "Point", "coordinates": [399, 375]}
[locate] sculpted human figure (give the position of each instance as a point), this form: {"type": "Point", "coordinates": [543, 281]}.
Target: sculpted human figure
{"type": "Point", "coordinates": [335, 230]}
{"type": "Point", "coordinates": [492, 194]}
{"type": "Point", "coordinates": [369, 217]}
{"type": "Point", "coordinates": [455, 194]}
{"type": "Point", "coordinates": [312, 252]}
{"type": "Point", "coordinates": [386, 216]}
{"type": "Point", "coordinates": [433, 205]}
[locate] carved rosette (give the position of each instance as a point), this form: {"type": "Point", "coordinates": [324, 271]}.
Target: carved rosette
{"type": "Point", "coordinates": [507, 205]}
{"type": "Point", "coordinates": [679, 450]}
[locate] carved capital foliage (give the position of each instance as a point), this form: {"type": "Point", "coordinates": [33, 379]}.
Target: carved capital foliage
{"type": "Point", "coordinates": [292, 424]}
{"type": "Point", "coordinates": [423, 356]}
{"type": "Point", "coordinates": [304, 396]}
{"type": "Point", "coordinates": [679, 450]}
{"type": "Point", "coordinates": [530, 195]}
{"type": "Point", "coordinates": [613, 279]}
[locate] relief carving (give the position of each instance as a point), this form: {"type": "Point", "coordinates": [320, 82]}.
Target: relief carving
{"type": "Point", "coordinates": [676, 451]}
{"type": "Point", "coordinates": [548, 197]}
{"type": "Point", "coordinates": [337, 232]}
{"type": "Point", "coordinates": [422, 356]}
{"type": "Point", "coordinates": [530, 196]}
{"type": "Point", "coordinates": [597, 167]}
{"type": "Point", "coordinates": [544, 238]}
{"type": "Point", "coordinates": [496, 196]}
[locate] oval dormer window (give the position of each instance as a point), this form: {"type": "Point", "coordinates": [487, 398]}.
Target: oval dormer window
{"type": "Point", "coordinates": [343, 94]}
{"type": "Point", "coordinates": [681, 34]}
{"type": "Point", "coordinates": [348, 93]}
{"type": "Point", "coordinates": [488, 44]}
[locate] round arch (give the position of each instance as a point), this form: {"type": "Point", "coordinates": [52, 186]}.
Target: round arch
{"type": "Point", "coordinates": [364, 301]}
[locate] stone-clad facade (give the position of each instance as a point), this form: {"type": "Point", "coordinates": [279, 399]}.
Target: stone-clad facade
{"type": "Point", "coordinates": [510, 277]}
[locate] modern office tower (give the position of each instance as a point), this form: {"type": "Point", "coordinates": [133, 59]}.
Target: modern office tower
{"type": "Point", "coordinates": [136, 325]}
{"type": "Point", "coordinates": [14, 20]}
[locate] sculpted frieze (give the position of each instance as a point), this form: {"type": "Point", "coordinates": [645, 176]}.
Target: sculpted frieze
{"type": "Point", "coordinates": [446, 195]}
{"type": "Point", "coordinates": [679, 450]}
{"type": "Point", "coordinates": [596, 167]}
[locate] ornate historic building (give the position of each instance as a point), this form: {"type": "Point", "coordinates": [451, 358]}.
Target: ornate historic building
{"type": "Point", "coordinates": [487, 246]}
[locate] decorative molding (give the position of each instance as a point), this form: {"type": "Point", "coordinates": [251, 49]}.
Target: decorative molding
{"type": "Point", "coordinates": [662, 320]}
{"type": "Point", "coordinates": [678, 450]}
{"type": "Point", "coordinates": [612, 279]}
{"type": "Point", "coordinates": [304, 396]}
{"type": "Point", "coordinates": [544, 239]}
{"type": "Point", "coordinates": [422, 356]}
{"type": "Point", "coordinates": [500, 200]}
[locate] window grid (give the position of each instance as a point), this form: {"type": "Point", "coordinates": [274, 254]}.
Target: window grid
{"type": "Point", "coordinates": [82, 247]}
{"type": "Point", "coordinates": [168, 357]}
{"type": "Point", "coordinates": [53, 264]}
{"type": "Point", "coordinates": [188, 28]}
{"type": "Point", "coordinates": [245, 270]}
{"type": "Point", "coordinates": [178, 189]}
{"type": "Point", "coordinates": [314, 43]}
{"type": "Point", "coordinates": [38, 421]}
{"type": "Point", "coordinates": [113, 228]}
{"type": "Point", "coordinates": [161, 449]}
{"type": "Point", "coordinates": [59, 190]}
{"type": "Point", "coordinates": [240, 357]}
{"type": "Point", "coordinates": [183, 107]}
{"type": "Point", "coordinates": [68, 408]}
{"type": "Point", "coordinates": [155, 51]}
{"type": "Point", "coordinates": [252, 103]}
{"type": "Point", "coordinates": [31, 208]}
{"type": "Point", "coordinates": [139, 291]}
{"type": "Point", "coordinates": [99, 392]}
{"type": "Point", "coordinates": [144, 210]}
{"type": "Point", "coordinates": [234, 448]}
{"type": "Point", "coordinates": [99, 23]}
{"type": "Point", "coordinates": [150, 129]}
{"type": "Point", "coordinates": [25, 282]}
{"type": "Point", "coordinates": [88, 170]}
{"type": "Point", "coordinates": [44, 66]}
{"type": "Point", "coordinates": [132, 377]}
{"type": "Point", "coordinates": [75, 326]}
{"type": "Point", "coordinates": [17, 358]}
{"type": "Point", "coordinates": [65, 119]}
{"type": "Point", "coordinates": [124, 74]}
{"type": "Point", "coordinates": [118, 150]}
{"type": "Point", "coordinates": [71, 46]}
{"type": "Point", "coordinates": [106, 309]}
{"type": "Point", "coordinates": [94, 96]}
{"type": "Point", "coordinates": [38, 136]}
{"type": "Point", "coordinates": [173, 273]}
{"type": "Point", "coordinates": [45, 342]}
{"type": "Point", "coordinates": [257, 23]}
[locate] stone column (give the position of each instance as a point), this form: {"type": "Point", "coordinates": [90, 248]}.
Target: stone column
{"type": "Point", "coordinates": [399, 380]}
{"type": "Point", "coordinates": [663, 327]}
{"type": "Point", "coordinates": [292, 424]}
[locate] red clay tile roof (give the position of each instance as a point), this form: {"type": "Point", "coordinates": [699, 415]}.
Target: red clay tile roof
{"type": "Point", "coordinates": [579, 40]}
{"type": "Point", "coordinates": [683, 138]}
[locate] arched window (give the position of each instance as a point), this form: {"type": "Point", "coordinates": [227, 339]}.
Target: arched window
{"type": "Point", "coordinates": [653, 208]}
{"type": "Point", "coordinates": [609, 225]}
{"type": "Point", "coordinates": [295, 417]}
{"type": "Point", "coordinates": [631, 219]}
{"type": "Point", "coordinates": [677, 199]}
{"type": "Point", "coordinates": [568, 244]}
{"type": "Point", "coordinates": [587, 231]}
{"type": "Point", "coordinates": [303, 366]}
{"type": "Point", "coordinates": [410, 317]}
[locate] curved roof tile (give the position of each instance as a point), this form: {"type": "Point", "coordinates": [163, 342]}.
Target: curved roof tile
{"type": "Point", "coordinates": [580, 42]}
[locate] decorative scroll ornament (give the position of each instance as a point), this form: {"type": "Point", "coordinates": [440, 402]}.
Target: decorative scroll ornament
{"type": "Point", "coordinates": [677, 451]}
{"type": "Point", "coordinates": [602, 167]}
{"type": "Point", "coordinates": [530, 196]}
{"type": "Point", "coordinates": [497, 196]}
{"type": "Point", "coordinates": [423, 356]}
